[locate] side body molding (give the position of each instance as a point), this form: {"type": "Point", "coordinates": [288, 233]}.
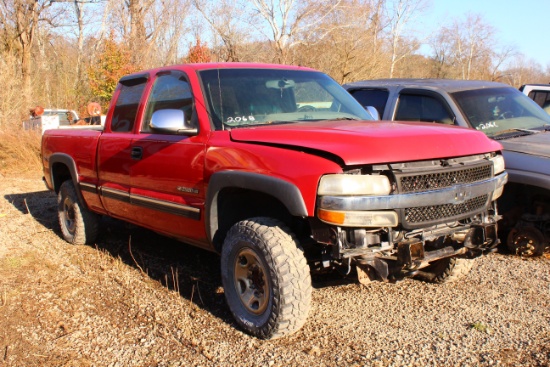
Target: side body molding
{"type": "Point", "coordinates": [284, 191]}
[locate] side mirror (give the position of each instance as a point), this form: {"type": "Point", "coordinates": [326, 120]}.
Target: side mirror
{"type": "Point", "coordinates": [373, 112]}
{"type": "Point", "coordinates": [171, 122]}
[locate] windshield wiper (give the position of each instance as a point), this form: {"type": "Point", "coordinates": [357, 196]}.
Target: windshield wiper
{"type": "Point", "coordinates": [256, 123]}
{"type": "Point", "coordinates": [346, 118]}
{"type": "Point", "coordinates": [511, 131]}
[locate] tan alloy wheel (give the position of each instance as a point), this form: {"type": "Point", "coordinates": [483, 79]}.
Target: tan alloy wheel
{"type": "Point", "coordinates": [69, 215]}
{"type": "Point", "coordinates": [250, 281]}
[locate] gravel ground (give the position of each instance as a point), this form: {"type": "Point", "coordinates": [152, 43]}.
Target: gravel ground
{"type": "Point", "coordinates": [139, 299]}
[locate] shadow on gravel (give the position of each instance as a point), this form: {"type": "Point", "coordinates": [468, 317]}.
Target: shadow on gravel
{"type": "Point", "coordinates": [191, 271]}
{"type": "Point", "coordinates": [40, 204]}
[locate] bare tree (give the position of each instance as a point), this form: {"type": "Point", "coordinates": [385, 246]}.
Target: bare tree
{"type": "Point", "coordinates": [288, 18]}
{"type": "Point", "coordinates": [137, 40]}
{"type": "Point", "coordinates": [401, 13]}
{"type": "Point", "coordinates": [23, 17]}
{"type": "Point", "coordinates": [470, 49]}
{"type": "Point", "coordinates": [227, 19]}
{"type": "Point", "coordinates": [521, 70]}
{"type": "Point", "coordinates": [347, 44]}
{"type": "Point", "coordinates": [500, 58]}
{"type": "Point", "coordinates": [442, 52]}
{"type": "Point", "coordinates": [173, 29]}
{"type": "Point", "coordinates": [151, 29]}
{"type": "Point", "coordinates": [477, 43]}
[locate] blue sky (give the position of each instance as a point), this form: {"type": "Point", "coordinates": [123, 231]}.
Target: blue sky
{"type": "Point", "coordinates": [521, 23]}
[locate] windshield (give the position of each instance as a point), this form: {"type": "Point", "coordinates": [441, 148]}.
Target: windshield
{"type": "Point", "coordinates": [498, 110]}
{"type": "Point", "coordinates": [248, 97]}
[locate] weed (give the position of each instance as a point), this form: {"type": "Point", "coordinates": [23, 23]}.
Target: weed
{"type": "Point", "coordinates": [481, 327]}
{"type": "Point", "coordinates": [13, 262]}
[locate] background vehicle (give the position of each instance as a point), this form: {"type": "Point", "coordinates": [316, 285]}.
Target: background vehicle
{"type": "Point", "coordinates": [50, 119]}
{"type": "Point", "coordinates": [540, 93]}
{"type": "Point", "coordinates": [44, 119]}
{"type": "Point", "coordinates": [502, 113]}
{"type": "Point", "coordinates": [275, 168]}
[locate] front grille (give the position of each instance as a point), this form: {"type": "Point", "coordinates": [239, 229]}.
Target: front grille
{"type": "Point", "coordinates": [444, 178]}
{"type": "Point", "coordinates": [435, 213]}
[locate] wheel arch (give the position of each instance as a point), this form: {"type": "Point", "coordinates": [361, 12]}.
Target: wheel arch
{"type": "Point", "coordinates": [265, 196]}
{"type": "Point", "coordinates": [63, 168]}
{"type": "Point", "coordinates": [529, 178]}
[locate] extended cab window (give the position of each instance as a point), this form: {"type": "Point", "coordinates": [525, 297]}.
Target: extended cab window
{"type": "Point", "coordinates": [170, 91]}
{"type": "Point", "coordinates": [127, 104]}
{"type": "Point", "coordinates": [372, 97]}
{"type": "Point", "coordinates": [413, 107]}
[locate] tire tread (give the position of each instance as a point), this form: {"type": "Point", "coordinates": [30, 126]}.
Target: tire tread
{"type": "Point", "coordinates": [292, 274]}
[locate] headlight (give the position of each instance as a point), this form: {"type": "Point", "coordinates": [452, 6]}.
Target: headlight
{"type": "Point", "coordinates": [498, 163]}
{"type": "Point", "coordinates": [341, 184]}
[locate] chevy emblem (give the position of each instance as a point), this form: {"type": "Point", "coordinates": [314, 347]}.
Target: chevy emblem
{"type": "Point", "coordinates": [462, 196]}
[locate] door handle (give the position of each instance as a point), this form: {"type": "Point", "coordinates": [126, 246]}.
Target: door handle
{"type": "Point", "coordinates": [137, 153]}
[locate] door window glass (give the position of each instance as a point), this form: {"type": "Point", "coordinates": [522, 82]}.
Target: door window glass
{"type": "Point", "coordinates": [372, 97]}
{"type": "Point", "coordinates": [412, 107]}
{"type": "Point", "coordinates": [170, 91]}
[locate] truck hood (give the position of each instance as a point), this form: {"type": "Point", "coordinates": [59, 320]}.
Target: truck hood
{"type": "Point", "coordinates": [372, 142]}
{"type": "Point", "coordinates": [535, 144]}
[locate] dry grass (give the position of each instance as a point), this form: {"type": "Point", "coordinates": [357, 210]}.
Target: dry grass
{"type": "Point", "coordinates": [19, 152]}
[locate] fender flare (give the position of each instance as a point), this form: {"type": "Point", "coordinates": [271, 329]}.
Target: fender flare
{"type": "Point", "coordinates": [287, 193]}
{"type": "Point", "coordinates": [529, 178]}
{"type": "Point", "coordinates": [69, 162]}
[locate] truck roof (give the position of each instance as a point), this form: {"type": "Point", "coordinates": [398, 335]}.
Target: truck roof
{"type": "Point", "coordinates": [220, 65]}
{"type": "Point", "coordinates": [449, 85]}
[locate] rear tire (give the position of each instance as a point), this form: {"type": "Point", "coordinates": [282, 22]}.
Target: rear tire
{"type": "Point", "coordinates": [266, 278]}
{"type": "Point", "coordinates": [446, 270]}
{"type": "Point", "coordinates": [79, 226]}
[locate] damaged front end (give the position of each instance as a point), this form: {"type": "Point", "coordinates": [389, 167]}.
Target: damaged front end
{"type": "Point", "coordinates": [390, 221]}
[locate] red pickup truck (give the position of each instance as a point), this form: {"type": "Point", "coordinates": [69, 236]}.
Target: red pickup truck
{"type": "Point", "coordinates": [275, 168]}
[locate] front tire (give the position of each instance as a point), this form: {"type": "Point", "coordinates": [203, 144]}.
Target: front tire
{"type": "Point", "coordinates": [266, 278]}
{"type": "Point", "coordinates": [79, 225]}
{"type": "Point", "coordinates": [446, 270]}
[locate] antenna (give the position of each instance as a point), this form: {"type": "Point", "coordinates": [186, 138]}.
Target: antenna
{"type": "Point", "coordinates": [221, 102]}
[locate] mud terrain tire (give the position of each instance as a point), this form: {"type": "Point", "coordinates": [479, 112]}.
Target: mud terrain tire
{"type": "Point", "coordinates": [446, 270]}
{"type": "Point", "coordinates": [266, 278]}
{"type": "Point", "coordinates": [79, 226]}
